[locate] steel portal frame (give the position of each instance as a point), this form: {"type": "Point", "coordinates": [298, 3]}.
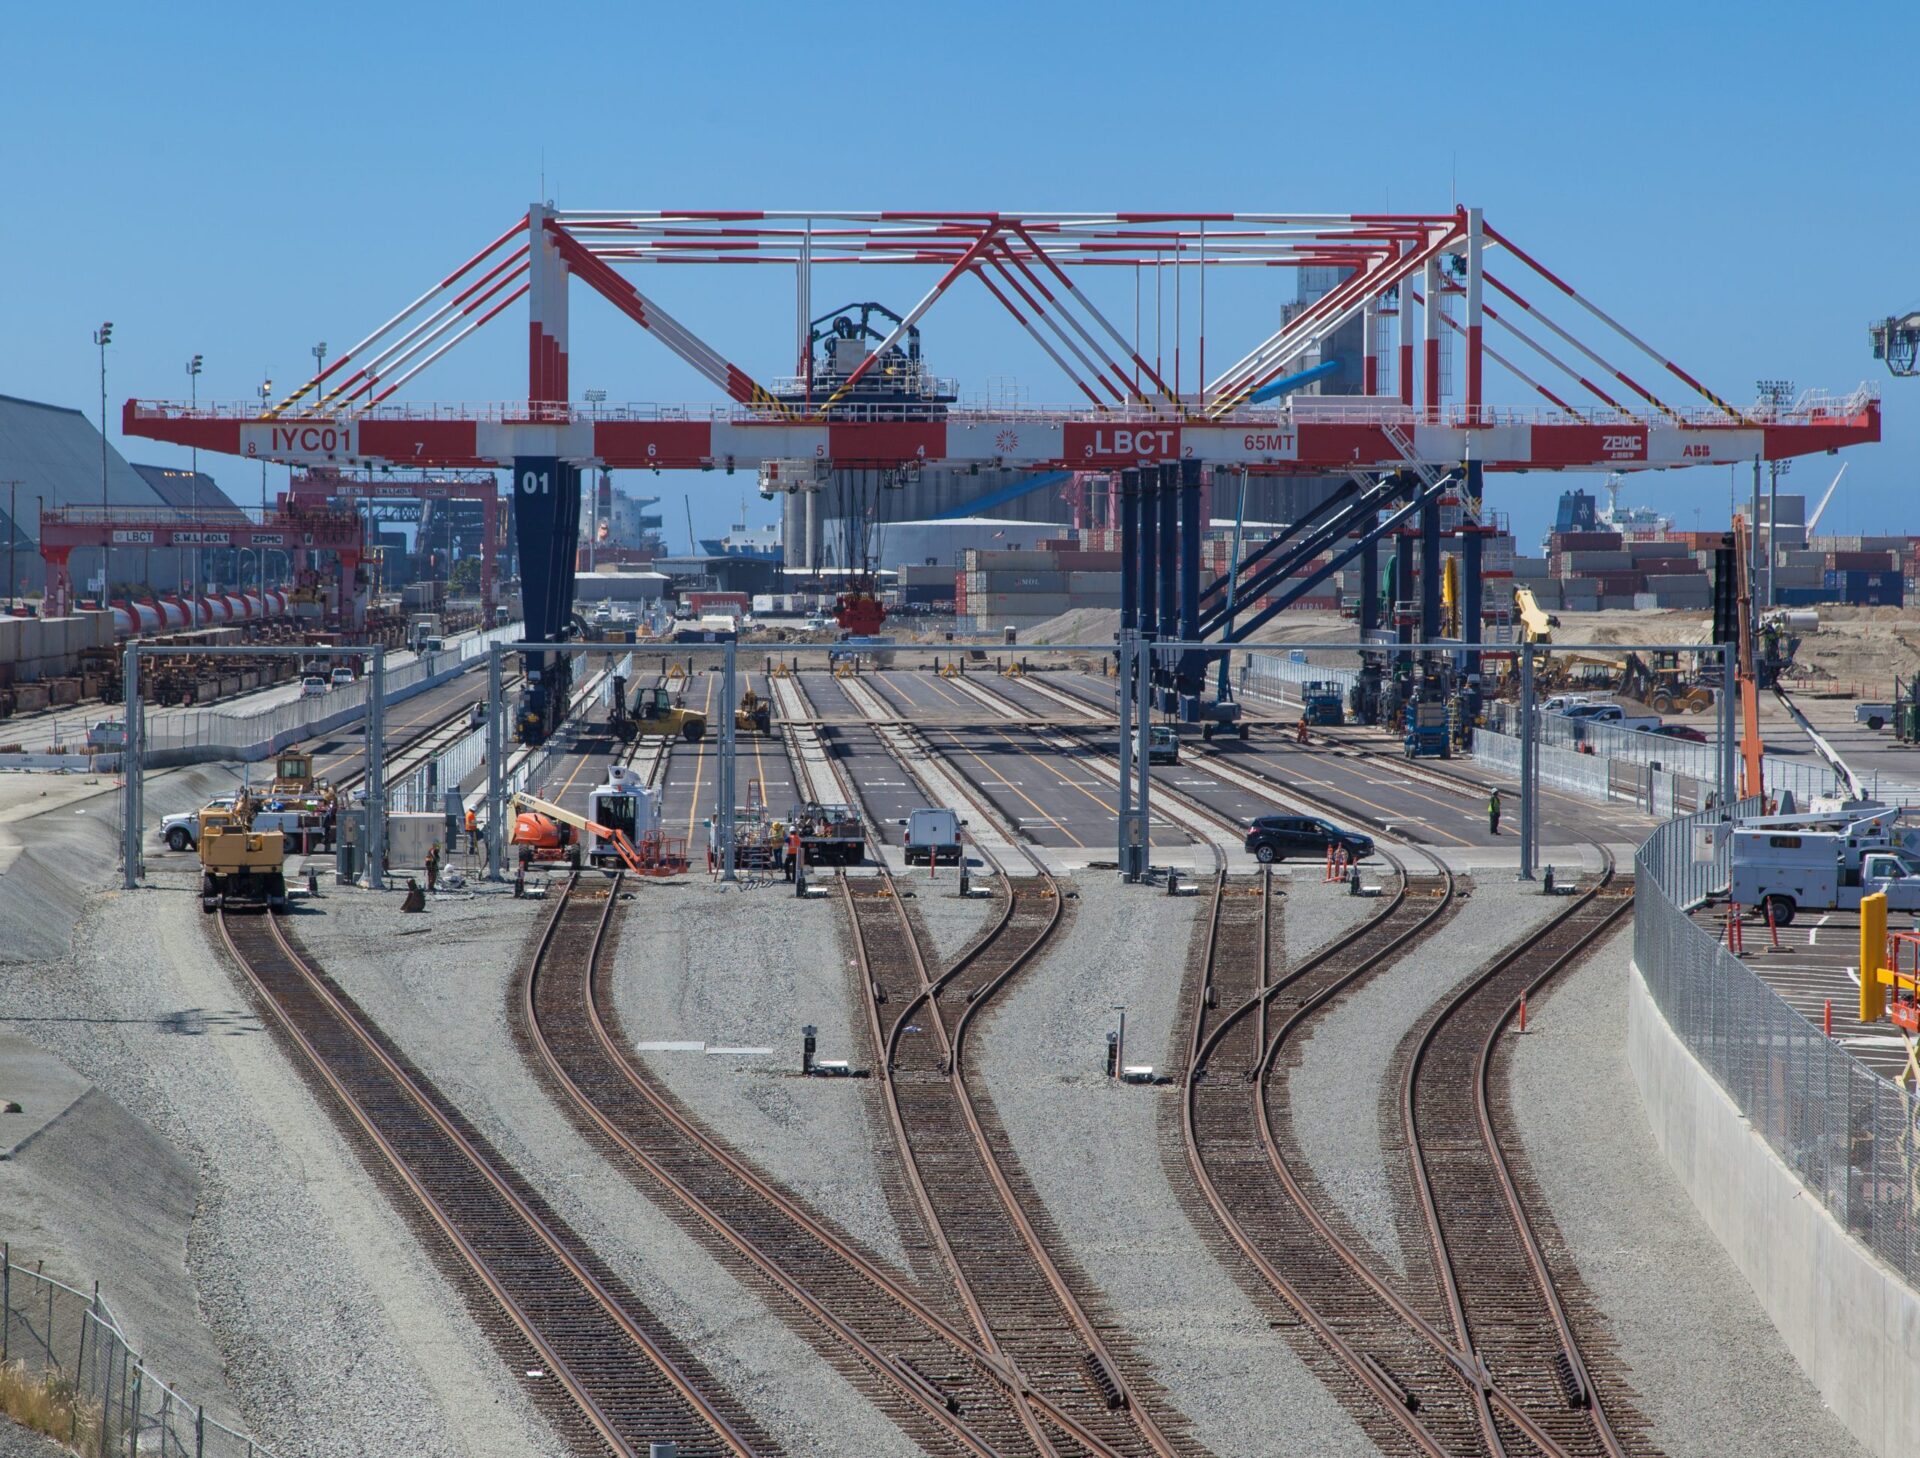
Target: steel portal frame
{"type": "Point", "coordinates": [1044, 269]}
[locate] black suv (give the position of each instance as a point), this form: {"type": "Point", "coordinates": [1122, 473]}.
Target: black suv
{"type": "Point", "coordinates": [1276, 837]}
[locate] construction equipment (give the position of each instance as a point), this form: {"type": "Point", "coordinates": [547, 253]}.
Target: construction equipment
{"type": "Point", "coordinates": [829, 834]}
{"type": "Point", "coordinates": [652, 711]}
{"type": "Point", "coordinates": [754, 714]}
{"type": "Point", "coordinates": [1536, 623]}
{"type": "Point", "coordinates": [240, 866]}
{"type": "Point", "coordinates": [1320, 704]}
{"type": "Point", "coordinates": [1429, 731]}
{"type": "Point", "coordinates": [1663, 685]}
{"type": "Point", "coordinates": [548, 832]}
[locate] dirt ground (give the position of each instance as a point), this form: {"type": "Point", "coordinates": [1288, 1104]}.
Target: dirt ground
{"type": "Point", "coordinates": [1860, 648]}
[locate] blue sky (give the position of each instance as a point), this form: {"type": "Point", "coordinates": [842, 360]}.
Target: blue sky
{"type": "Point", "coordinates": [1736, 182]}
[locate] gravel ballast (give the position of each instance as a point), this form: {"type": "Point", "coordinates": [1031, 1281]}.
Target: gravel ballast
{"type": "Point", "coordinates": [1710, 1373]}
{"type": "Point", "coordinates": [749, 969]}
{"type": "Point", "coordinates": [1334, 1089]}
{"type": "Point", "coordinates": [1089, 1148]}
{"type": "Point", "coordinates": [441, 995]}
{"type": "Point", "coordinates": [335, 1333]}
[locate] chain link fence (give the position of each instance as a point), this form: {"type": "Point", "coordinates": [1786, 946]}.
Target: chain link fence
{"type": "Point", "coordinates": [93, 1389]}
{"type": "Point", "coordinates": [1851, 1136]}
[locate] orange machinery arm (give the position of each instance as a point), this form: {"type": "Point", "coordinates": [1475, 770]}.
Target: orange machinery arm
{"type": "Point", "coordinates": [622, 846]}
{"type": "Point", "coordinates": [1752, 747]}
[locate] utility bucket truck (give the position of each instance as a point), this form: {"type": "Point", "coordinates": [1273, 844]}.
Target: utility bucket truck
{"type": "Point", "coordinates": [1825, 862]}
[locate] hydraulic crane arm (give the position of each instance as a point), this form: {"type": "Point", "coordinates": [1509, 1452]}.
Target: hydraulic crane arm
{"type": "Point", "coordinates": [1855, 790]}
{"type": "Point", "coordinates": [621, 845]}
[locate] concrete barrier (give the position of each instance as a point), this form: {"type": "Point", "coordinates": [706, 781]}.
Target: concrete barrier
{"type": "Point", "coordinates": [1850, 1321]}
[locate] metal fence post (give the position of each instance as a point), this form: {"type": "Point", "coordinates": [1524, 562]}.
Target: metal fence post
{"type": "Point", "coordinates": [496, 770]}
{"type": "Point", "coordinates": [728, 746]}
{"type": "Point", "coordinates": [130, 757]}
{"type": "Point", "coordinates": [1527, 766]}
{"type": "Point", "coordinates": [133, 1428]}
{"type": "Point", "coordinates": [6, 1299]}
{"type": "Point", "coordinates": [376, 722]}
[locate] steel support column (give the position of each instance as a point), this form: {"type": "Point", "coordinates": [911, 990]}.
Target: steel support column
{"type": "Point", "coordinates": [1472, 541]}
{"type": "Point", "coordinates": [1167, 573]}
{"type": "Point", "coordinates": [376, 801]}
{"type": "Point", "coordinates": [1129, 551]}
{"type": "Point", "coordinates": [1191, 670]}
{"type": "Point", "coordinates": [723, 819]}
{"type": "Point", "coordinates": [1430, 571]}
{"type": "Point", "coordinates": [131, 764]}
{"type": "Point", "coordinates": [1369, 616]}
{"type": "Point", "coordinates": [496, 767]}
{"type": "Point", "coordinates": [1729, 709]}
{"type": "Point", "coordinates": [1149, 552]}
{"type": "Point", "coordinates": [1402, 583]}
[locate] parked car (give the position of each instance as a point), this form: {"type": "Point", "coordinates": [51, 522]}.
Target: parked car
{"type": "Point", "coordinates": [108, 734]}
{"type": "Point", "coordinates": [1677, 731]}
{"type": "Point", "coordinates": [341, 676]}
{"type": "Point", "coordinates": [182, 832]}
{"type": "Point", "coordinates": [1277, 837]}
{"type": "Point", "coordinates": [313, 687]}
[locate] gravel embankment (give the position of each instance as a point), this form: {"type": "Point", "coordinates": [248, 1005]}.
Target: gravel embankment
{"type": "Point", "coordinates": [19, 1442]}
{"type": "Point", "coordinates": [439, 984]}
{"type": "Point", "coordinates": [1710, 1374]}
{"type": "Point", "coordinates": [1090, 1149]}
{"type": "Point", "coordinates": [749, 969]}
{"type": "Point", "coordinates": [335, 1333]}
{"type": "Point", "coordinates": [1334, 1089]}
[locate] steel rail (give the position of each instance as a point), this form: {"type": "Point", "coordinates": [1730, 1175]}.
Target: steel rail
{"type": "Point", "coordinates": [436, 1210]}
{"type": "Point", "coordinates": [1445, 1260]}
{"type": "Point", "coordinates": [1202, 1044]}
{"type": "Point", "coordinates": [762, 1260]}
{"type": "Point", "coordinates": [953, 1046]}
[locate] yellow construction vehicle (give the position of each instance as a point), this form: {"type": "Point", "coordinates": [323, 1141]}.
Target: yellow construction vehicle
{"type": "Point", "coordinates": [1535, 621]}
{"type": "Point", "coordinates": [652, 711]}
{"type": "Point", "coordinates": [240, 866]}
{"type": "Point", "coordinates": [754, 714]}
{"type": "Point", "coordinates": [1663, 685]}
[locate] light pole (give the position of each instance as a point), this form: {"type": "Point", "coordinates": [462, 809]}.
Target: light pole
{"type": "Point", "coordinates": [266, 394]}
{"type": "Point", "coordinates": [319, 369]}
{"type": "Point", "coordinates": [193, 485]}
{"type": "Point", "coordinates": [103, 336]}
{"type": "Point", "coordinates": [1778, 395]}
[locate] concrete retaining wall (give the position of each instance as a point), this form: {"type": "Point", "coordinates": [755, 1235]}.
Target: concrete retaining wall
{"type": "Point", "coordinates": [1850, 1322]}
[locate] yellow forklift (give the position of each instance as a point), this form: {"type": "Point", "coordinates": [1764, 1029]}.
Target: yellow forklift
{"type": "Point", "coordinates": [652, 711]}
{"type": "Point", "coordinates": [754, 715]}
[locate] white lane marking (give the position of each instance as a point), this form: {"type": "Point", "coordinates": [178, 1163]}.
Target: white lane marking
{"type": "Point", "coordinates": [1813, 933]}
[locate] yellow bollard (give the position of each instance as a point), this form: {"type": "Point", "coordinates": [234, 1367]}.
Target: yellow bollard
{"type": "Point", "coordinates": [1873, 954]}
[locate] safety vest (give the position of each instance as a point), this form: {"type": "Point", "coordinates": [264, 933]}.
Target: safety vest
{"type": "Point", "coordinates": [470, 820]}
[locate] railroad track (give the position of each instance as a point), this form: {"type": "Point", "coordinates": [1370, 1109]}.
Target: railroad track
{"type": "Point", "coordinates": [597, 1362]}
{"type": "Point", "coordinates": [942, 1387]}
{"type": "Point", "coordinates": [1502, 1301]}
{"type": "Point", "coordinates": [1084, 1393]}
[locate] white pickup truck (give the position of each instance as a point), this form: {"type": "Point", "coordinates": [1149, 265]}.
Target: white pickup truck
{"type": "Point", "coordinates": [1788, 864]}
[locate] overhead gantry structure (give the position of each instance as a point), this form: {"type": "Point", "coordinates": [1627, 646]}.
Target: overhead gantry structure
{"type": "Point", "coordinates": [1421, 287]}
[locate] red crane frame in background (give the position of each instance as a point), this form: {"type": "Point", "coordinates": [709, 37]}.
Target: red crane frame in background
{"type": "Point", "coordinates": [1418, 269]}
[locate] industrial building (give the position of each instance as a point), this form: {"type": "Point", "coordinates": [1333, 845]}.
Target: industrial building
{"type": "Point", "coordinates": [50, 458]}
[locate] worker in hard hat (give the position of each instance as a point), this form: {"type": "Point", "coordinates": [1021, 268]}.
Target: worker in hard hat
{"type": "Point", "coordinates": [793, 852]}
{"type": "Point", "coordinates": [1493, 813]}
{"type": "Point", "coordinates": [473, 831]}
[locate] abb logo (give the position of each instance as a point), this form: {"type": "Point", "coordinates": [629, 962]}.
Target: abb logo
{"type": "Point", "coordinates": [1121, 445]}
{"type": "Point", "coordinates": [1696, 452]}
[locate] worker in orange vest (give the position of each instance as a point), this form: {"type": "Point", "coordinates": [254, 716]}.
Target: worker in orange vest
{"type": "Point", "coordinates": [473, 831]}
{"type": "Point", "coordinates": [793, 853]}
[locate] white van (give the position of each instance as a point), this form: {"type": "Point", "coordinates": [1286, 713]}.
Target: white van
{"type": "Point", "coordinates": [933, 835]}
